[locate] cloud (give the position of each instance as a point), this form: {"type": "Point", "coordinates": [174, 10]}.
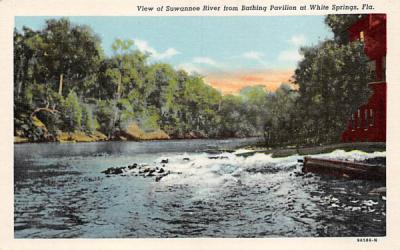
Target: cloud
{"type": "Point", "coordinates": [205, 60]}
{"type": "Point", "coordinates": [144, 47]}
{"type": "Point", "coordinates": [202, 65]}
{"type": "Point", "coordinates": [298, 40]}
{"type": "Point", "coordinates": [170, 52]}
{"type": "Point", "coordinates": [233, 82]}
{"type": "Point", "coordinates": [255, 55]}
{"type": "Point", "coordinates": [290, 56]}
{"type": "Point", "coordinates": [191, 68]}
{"type": "Point", "coordinates": [293, 55]}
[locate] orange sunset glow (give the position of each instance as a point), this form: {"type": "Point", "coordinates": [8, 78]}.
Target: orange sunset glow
{"type": "Point", "coordinates": [230, 83]}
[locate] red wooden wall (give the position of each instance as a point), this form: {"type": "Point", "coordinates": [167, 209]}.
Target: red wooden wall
{"type": "Point", "coordinates": [368, 123]}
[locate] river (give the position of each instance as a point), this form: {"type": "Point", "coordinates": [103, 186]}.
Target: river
{"type": "Point", "coordinates": [60, 192]}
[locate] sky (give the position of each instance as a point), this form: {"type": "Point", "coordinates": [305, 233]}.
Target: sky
{"type": "Point", "coordinates": [230, 52]}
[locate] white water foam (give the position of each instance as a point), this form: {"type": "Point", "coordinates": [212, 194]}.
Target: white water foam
{"type": "Point", "coordinates": [227, 168]}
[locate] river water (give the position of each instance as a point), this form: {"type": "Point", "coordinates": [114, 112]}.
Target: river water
{"type": "Point", "coordinates": [60, 192]}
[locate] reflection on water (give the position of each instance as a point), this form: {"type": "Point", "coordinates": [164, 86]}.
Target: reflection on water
{"type": "Point", "coordinates": [61, 192]}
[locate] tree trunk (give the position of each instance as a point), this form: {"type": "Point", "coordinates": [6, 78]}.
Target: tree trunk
{"type": "Point", "coordinates": [19, 89]}
{"type": "Point", "coordinates": [21, 76]}
{"type": "Point", "coordinates": [119, 86]}
{"type": "Point", "coordinates": [60, 86]}
{"type": "Point", "coordinates": [52, 111]}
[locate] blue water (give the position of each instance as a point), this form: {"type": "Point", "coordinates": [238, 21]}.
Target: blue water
{"type": "Point", "coordinates": [60, 192]}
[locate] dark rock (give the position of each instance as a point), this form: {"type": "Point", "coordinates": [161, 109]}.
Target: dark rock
{"type": "Point", "coordinates": [164, 161]}
{"type": "Point", "coordinates": [161, 170]}
{"type": "Point", "coordinates": [149, 174]}
{"type": "Point", "coordinates": [297, 174]}
{"type": "Point", "coordinates": [132, 166]}
{"type": "Point", "coordinates": [114, 170]}
{"type": "Point", "coordinates": [217, 157]}
{"type": "Point", "coordinates": [308, 175]}
{"type": "Point", "coordinates": [159, 177]}
{"type": "Point", "coordinates": [186, 159]}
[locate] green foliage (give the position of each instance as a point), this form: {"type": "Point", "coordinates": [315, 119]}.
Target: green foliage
{"type": "Point", "coordinates": [332, 80]}
{"type": "Point", "coordinates": [233, 124]}
{"type": "Point", "coordinates": [60, 48]}
{"type": "Point", "coordinates": [120, 89]}
{"type": "Point", "coordinates": [339, 24]}
{"type": "Point", "coordinates": [257, 108]}
{"type": "Point", "coordinates": [72, 115]}
{"type": "Point", "coordinates": [282, 122]}
{"type": "Point", "coordinates": [88, 124]}
{"type": "Point", "coordinates": [106, 113]}
{"type": "Point", "coordinates": [149, 120]}
{"type": "Point", "coordinates": [110, 93]}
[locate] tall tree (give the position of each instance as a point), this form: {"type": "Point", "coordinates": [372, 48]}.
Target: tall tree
{"type": "Point", "coordinates": [332, 81]}
{"type": "Point", "coordinates": [27, 69]}
{"type": "Point", "coordinates": [128, 67]}
{"type": "Point", "coordinates": [159, 87]}
{"type": "Point", "coordinates": [71, 54]}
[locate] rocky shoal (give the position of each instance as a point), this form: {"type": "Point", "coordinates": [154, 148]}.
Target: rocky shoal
{"type": "Point", "coordinates": [143, 170]}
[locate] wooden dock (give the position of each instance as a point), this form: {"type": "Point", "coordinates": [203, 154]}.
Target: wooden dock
{"type": "Point", "coordinates": [347, 169]}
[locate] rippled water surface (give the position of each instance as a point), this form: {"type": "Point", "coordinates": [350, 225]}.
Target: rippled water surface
{"type": "Point", "coordinates": [61, 192]}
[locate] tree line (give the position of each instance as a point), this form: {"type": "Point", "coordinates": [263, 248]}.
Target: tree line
{"type": "Point", "coordinates": [63, 78]}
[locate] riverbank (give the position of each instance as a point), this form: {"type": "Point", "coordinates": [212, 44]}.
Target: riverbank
{"type": "Point", "coordinates": [138, 135]}
{"type": "Point", "coordinates": [38, 132]}
{"type": "Point", "coordinates": [132, 133]}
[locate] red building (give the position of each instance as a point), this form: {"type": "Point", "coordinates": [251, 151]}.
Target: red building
{"type": "Point", "coordinates": [368, 123]}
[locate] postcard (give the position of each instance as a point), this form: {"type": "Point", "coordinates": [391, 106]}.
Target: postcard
{"type": "Point", "coordinates": [179, 125]}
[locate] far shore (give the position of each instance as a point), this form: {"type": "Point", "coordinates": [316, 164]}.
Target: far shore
{"type": "Point", "coordinates": [94, 138]}
{"type": "Point", "coordinates": [250, 149]}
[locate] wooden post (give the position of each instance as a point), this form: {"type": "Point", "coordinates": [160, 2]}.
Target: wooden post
{"type": "Point", "coordinates": [60, 86]}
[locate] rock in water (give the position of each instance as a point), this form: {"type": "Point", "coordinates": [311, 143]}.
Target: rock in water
{"type": "Point", "coordinates": [132, 166]}
{"type": "Point", "coordinates": [217, 157]}
{"type": "Point", "coordinates": [159, 177]}
{"type": "Point", "coordinates": [149, 174]}
{"type": "Point", "coordinates": [114, 170]}
{"type": "Point", "coordinates": [164, 161]}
